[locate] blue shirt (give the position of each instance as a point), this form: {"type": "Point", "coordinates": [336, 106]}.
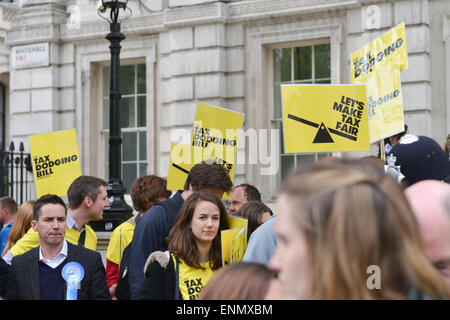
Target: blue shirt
{"type": "Point", "coordinates": [149, 236]}
{"type": "Point", "coordinates": [4, 236]}
{"type": "Point", "coordinates": [262, 243]}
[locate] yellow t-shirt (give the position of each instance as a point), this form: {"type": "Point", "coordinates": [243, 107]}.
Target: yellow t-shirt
{"type": "Point", "coordinates": [120, 238]}
{"type": "Point", "coordinates": [191, 280]}
{"type": "Point", "coordinates": [31, 240]}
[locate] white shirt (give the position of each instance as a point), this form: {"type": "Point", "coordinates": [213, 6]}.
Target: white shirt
{"type": "Point", "coordinates": [56, 261]}
{"type": "Point", "coordinates": [70, 223]}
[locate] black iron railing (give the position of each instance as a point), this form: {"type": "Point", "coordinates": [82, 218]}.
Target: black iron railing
{"type": "Point", "coordinates": [16, 179]}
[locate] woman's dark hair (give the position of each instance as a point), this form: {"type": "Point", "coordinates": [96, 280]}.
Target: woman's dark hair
{"type": "Point", "coordinates": [182, 241]}
{"type": "Point", "coordinates": [253, 211]}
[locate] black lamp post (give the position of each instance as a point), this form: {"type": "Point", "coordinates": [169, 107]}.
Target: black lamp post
{"type": "Point", "coordinates": [118, 210]}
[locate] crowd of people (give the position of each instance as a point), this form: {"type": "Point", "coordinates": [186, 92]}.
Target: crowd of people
{"type": "Point", "coordinates": [342, 229]}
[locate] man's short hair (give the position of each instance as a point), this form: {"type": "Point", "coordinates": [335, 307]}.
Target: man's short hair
{"type": "Point", "coordinates": [46, 199]}
{"type": "Point", "coordinates": [251, 193]}
{"type": "Point", "coordinates": [208, 176]}
{"type": "Point", "coordinates": [9, 203]}
{"type": "Point", "coordinates": [82, 187]}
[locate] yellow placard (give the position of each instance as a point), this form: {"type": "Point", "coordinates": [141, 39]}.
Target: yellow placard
{"type": "Point", "coordinates": [324, 118]}
{"type": "Point", "coordinates": [181, 162]}
{"type": "Point", "coordinates": [226, 237]}
{"type": "Point", "coordinates": [237, 222]}
{"type": "Point", "coordinates": [378, 65]}
{"type": "Point", "coordinates": [384, 103]}
{"type": "Point", "coordinates": [214, 137]}
{"type": "Point", "coordinates": [217, 128]}
{"type": "Point", "coordinates": [56, 161]}
{"type": "Point", "coordinates": [390, 48]}
{"type": "Point", "coordinates": [238, 246]}
{"type": "Point", "coordinates": [215, 132]}
{"type": "Point", "coordinates": [184, 157]}
{"type": "Point", "coordinates": [234, 240]}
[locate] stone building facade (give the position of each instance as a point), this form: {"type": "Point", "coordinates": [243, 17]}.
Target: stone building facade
{"type": "Point", "coordinates": [232, 54]}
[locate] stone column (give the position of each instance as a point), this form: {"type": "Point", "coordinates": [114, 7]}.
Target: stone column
{"type": "Point", "coordinates": [35, 69]}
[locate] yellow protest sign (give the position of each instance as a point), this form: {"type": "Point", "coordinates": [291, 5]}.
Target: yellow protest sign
{"type": "Point", "coordinates": [217, 128]}
{"type": "Point", "coordinates": [184, 157]}
{"type": "Point", "coordinates": [238, 246]}
{"type": "Point", "coordinates": [214, 138]}
{"type": "Point", "coordinates": [56, 162]}
{"type": "Point", "coordinates": [384, 103]}
{"type": "Point", "coordinates": [324, 118]}
{"type": "Point", "coordinates": [226, 236]}
{"type": "Point", "coordinates": [237, 222]}
{"type": "Point", "coordinates": [234, 240]}
{"type": "Point", "coordinates": [378, 65]}
{"type": "Point", "coordinates": [181, 162]}
{"type": "Point", "coordinates": [389, 48]}
{"type": "Point", "coordinates": [216, 131]}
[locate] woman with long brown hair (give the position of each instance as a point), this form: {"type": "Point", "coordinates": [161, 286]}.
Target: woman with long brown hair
{"type": "Point", "coordinates": [194, 251]}
{"type": "Point", "coordinates": [346, 234]}
{"type": "Point", "coordinates": [21, 224]}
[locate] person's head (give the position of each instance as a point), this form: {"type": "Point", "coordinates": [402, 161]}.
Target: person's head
{"type": "Point", "coordinates": [199, 222]}
{"type": "Point", "coordinates": [148, 190]}
{"type": "Point", "coordinates": [421, 158]}
{"type": "Point", "coordinates": [241, 194]}
{"type": "Point", "coordinates": [209, 176]}
{"type": "Point", "coordinates": [430, 202]}
{"type": "Point", "coordinates": [239, 281]}
{"type": "Point", "coordinates": [88, 193]}
{"type": "Point", "coordinates": [334, 225]}
{"type": "Point", "coordinates": [256, 213]}
{"type": "Point", "coordinates": [396, 137]}
{"type": "Point", "coordinates": [49, 219]}
{"type": "Point", "coordinates": [8, 208]}
{"type": "Point", "coordinates": [22, 222]}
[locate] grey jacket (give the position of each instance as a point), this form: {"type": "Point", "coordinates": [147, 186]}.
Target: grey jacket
{"type": "Point", "coordinates": [262, 243]}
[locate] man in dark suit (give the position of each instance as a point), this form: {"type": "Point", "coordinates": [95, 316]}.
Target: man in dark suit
{"type": "Point", "coordinates": [37, 274]}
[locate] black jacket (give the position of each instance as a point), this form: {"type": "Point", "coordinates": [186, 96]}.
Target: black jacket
{"type": "Point", "coordinates": [160, 278]}
{"type": "Point", "coordinates": [4, 273]}
{"type": "Point", "coordinates": [23, 282]}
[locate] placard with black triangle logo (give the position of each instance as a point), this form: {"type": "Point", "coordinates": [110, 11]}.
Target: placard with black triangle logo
{"type": "Point", "coordinates": [324, 118]}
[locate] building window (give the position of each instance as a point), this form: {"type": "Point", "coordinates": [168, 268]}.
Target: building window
{"type": "Point", "coordinates": [309, 64]}
{"type": "Point", "coordinates": [132, 121]}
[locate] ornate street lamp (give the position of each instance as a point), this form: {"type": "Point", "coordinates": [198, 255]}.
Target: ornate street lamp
{"type": "Point", "coordinates": [118, 210]}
